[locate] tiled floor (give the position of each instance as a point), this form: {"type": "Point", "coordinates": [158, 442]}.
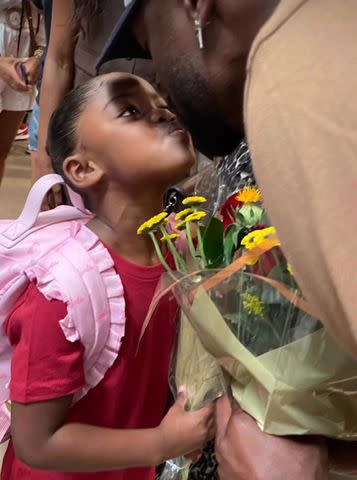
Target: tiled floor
{"type": "Point", "coordinates": [16, 182]}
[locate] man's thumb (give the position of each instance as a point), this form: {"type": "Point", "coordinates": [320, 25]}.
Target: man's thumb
{"type": "Point", "coordinates": [223, 414]}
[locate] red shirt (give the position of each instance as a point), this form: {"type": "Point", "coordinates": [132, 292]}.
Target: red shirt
{"type": "Point", "coordinates": [134, 391]}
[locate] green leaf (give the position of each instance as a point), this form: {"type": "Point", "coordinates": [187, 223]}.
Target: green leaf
{"type": "Point", "coordinates": [241, 234]}
{"type": "Point", "coordinates": [240, 219]}
{"type": "Point", "coordinates": [230, 244]}
{"type": "Point", "coordinates": [213, 243]}
{"type": "Point", "coordinates": [252, 214]}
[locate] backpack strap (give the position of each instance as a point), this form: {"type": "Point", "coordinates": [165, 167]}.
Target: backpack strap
{"type": "Point", "coordinates": [77, 269]}
{"type": "Point", "coordinates": [80, 272]}
{"type": "Point", "coordinates": [33, 205]}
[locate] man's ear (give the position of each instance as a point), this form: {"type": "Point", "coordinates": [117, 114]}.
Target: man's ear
{"type": "Point", "coordinates": [201, 10]}
{"type": "Point", "coordinates": [81, 172]}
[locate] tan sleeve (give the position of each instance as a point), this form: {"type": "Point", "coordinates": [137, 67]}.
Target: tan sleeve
{"type": "Point", "coordinates": [301, 119]}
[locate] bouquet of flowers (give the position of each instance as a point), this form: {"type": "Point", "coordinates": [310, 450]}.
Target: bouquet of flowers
{"type": "Point", "coordinates": [242, 303]}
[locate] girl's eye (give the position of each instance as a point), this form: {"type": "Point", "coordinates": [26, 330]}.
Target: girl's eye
{"type": "Point", "coordinates": [128, 112]}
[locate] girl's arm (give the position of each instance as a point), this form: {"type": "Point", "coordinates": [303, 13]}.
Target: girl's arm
{"type": "Point", "coordinates": [44, 441]}
{"type": "Point", "coordinates": [58, 74]}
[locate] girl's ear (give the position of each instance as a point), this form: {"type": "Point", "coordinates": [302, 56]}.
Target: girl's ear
{"type": "Point", "coordinates": [82, 172]}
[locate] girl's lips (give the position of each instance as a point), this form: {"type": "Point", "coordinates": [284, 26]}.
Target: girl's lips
{"type": "Point", "coordinates": [181, 134]}
{"type": "Point", "coordinates": [175, 130]}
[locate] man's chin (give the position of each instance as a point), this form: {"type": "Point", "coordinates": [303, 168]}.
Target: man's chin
{"type": "Point", "coordinates": [210, 147]}
{"type": "Point", "coordinates": [209, 136]}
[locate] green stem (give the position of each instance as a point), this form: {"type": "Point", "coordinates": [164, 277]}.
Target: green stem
{"type": "Point", "coordinates": [201, 247]}
{"type": "Point", "coordinates": [191, 245]}
{"type": "Point", "coordinates": [161, 257]}
{"type": "Point", "coordinates": [179, 261]}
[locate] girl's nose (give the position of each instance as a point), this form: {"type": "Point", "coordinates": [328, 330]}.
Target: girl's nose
{"type": "Point", "coordinates": [159, 115]}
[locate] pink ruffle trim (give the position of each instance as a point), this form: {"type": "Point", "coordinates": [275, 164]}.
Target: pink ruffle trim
{"type": "Point", "coordinates": [99, 298]}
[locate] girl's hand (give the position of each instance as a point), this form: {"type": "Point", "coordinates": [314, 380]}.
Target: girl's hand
{"type": "Point", "coordinates": [182, 432]}
{"type": "Point", "coordinates": [33, 67]}
{"type": "Point", "coordinates": [9, 74]}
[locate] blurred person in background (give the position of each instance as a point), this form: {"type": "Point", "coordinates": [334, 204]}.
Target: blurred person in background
{"type": "Point", "coordinates": [21, 48]}
{"type": "Point", "coordinates": [45, 6]}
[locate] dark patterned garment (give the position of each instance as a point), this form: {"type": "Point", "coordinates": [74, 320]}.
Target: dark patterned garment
{"type": "Point", "coordinates": [234, 172]}
{"type": "Point", "coordinates": [206, 467]}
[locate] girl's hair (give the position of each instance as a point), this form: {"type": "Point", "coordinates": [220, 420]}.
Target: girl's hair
{"type": "Point", "coordinates": [62, 139]}
{"type": "Point", "coordinates": [85, 11]}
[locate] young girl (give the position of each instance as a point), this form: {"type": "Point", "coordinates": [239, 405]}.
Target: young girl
{"type": "Point", "coordinates": [116, 142]}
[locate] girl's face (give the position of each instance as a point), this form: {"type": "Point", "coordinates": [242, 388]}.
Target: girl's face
{"type": "Point", "coordinates": [129, 133]}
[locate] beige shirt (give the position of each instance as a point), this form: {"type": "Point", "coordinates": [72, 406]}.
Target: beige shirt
{"type": "Point", "coordinates": [301, 119]}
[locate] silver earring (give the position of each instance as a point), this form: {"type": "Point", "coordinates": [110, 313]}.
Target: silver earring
{"type": "Point", "coordinates": [199, 33]}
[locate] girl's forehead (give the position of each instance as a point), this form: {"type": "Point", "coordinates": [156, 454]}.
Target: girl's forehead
{"type": "Point", "coordinates": [120, 85]}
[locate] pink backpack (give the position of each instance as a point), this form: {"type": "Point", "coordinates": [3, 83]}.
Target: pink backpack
{"type": "Point", "coordinates": [69, 263]}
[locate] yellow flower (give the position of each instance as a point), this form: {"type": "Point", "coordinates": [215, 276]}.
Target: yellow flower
{"type": "Point", "coordinates": [252, 239]}
{"type": "Point", "coordinates": [290, 269]}
{"type": "Point", "coordinates": [252, 304]}
{"type": "Point", "coordinates": [181, 225]}
{"type": "Point", "coordinates": [171, 236]}
{"type": "Point", "coordinates": [183, 214]}
{"type": "Point", "coordinates": [152, 224]}
{"type": "Point", "coordinates": [195, 217]}
{"type": "Point", "coordinates": [249, 195]}
{"type": "Point", "coordinates": [194, 201]}
{"type": "Point", "coordinates": [257, 237]}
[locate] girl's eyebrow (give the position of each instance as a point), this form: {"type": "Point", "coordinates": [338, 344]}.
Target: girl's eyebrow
{"type": "Point", "coordinates": [115, 97]}
{"type": "Point", "coordinates": [120, 87]}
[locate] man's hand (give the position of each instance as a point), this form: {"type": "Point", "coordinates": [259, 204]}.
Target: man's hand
{"type": "Point", "coordinates": [10, 76]}
{"type": "Point", "coordinates": [244, 452]}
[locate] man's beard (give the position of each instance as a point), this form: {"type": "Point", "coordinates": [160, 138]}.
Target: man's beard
{"type": "Point", "coordinates": [197, 109]}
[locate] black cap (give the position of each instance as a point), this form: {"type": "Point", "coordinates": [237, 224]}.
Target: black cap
{"type": "Point", "coordinates": [122, 42]}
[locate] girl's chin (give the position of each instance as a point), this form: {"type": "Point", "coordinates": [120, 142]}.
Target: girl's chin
{"type": "Point", "coordinates": [176, 175]}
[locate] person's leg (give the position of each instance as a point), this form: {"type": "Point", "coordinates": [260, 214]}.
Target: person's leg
{"type": "Point", "coordinates": [9, 124]}
{"type": "Point", "coordinates": [33, 140]}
